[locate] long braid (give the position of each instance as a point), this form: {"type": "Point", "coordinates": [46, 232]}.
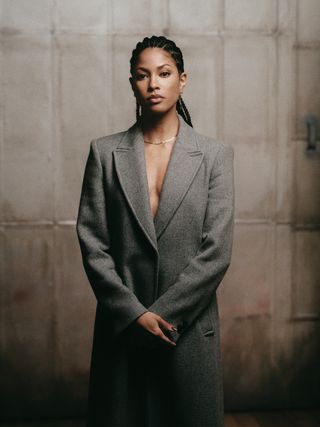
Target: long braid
{"type": "Point", "coordinates": [170, 47]}
{"type": "Point", "coordinates": [183, 111]}
{"type": "Point", "coordinates": [137, 111]}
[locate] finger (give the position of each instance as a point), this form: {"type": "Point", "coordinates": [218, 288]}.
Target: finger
{"type": "Point", "coordinates": [167, 325]}
{"type": "Point", "coordinates": [162, 336]}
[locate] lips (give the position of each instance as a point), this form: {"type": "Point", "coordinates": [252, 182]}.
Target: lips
{"type": "Point", "coordinates": [155, 97]}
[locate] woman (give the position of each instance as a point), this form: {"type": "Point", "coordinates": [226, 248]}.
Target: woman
{"type": "Point", "coordinates": [155, 226]}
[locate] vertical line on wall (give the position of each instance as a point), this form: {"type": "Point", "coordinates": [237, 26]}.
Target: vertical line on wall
{"type": "Point", "coordinates": [273, 141]}
{"type": "Point", "coordinates": [53, 25]}
{"type": "Point", "coordinates": [2, 297]}
{"type": "Point", "coordinates": [294, 286]}
{"type": "Point", "coordinates": [166, 20]}
{"type": "Point", "coordinates": [222, 15]}
{"type": "Point", "coordinates": [276, 13]}
{"type": "Point", "coordinates": [109, 17]}
{"type": "Point", "coordinates": [295, 80]}
{"type": "Point", "coordinates": [109, 51]}
{"type": "Point", "coordinates": [112, 74]}
{"type": "Point", "coordinates": [282, 234]}
{"type": "Point", "coordinates": [297, 20]}
{"type": "Point", "coordinates": [2, 240]}
{"type": "Point", "coordinates": [109, 66]}
{"type": "Point", "coordinates": [221, 130]}
{"type": "Point", "coordinates": [273, 283]}
{"type": "Point", "coordinates": [221, 80]}
{"type": "Point", "coordinates": [274, 184]}
{"type": "Point", "coordinates": [56, 137]}
{"type": "Point", "coordinates": [223, 68]}
{"type": "Point", "coordinates": [55, 110]}
{"type": "Point", "coordinates": [294, 135]}
{"type": "Point", "coordinates": [111, 121]}
{"type": "Point", "coordinates": [2, 124]}
{"type": "Point", "coordinates": [221, 89]}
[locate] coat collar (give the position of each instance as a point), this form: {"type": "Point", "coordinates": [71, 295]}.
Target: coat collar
{"type": "Point", "coordinates": [130, 166]}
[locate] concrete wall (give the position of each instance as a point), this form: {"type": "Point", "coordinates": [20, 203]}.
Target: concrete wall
{"type": "Point", "coordinates": [254, 68]}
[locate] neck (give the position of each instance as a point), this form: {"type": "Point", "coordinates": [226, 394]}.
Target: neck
{"type": "Point", "coordinates": [160, 127]}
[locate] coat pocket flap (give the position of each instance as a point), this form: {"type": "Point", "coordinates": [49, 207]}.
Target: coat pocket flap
{"type": "Point", "coordinates": [206, 322]}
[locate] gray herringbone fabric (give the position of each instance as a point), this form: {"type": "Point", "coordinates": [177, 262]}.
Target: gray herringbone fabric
{"type": "Point", "coordinates": [171, 265]}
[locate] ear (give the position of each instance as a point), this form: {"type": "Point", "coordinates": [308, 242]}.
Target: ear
{"type": "Point", "coordinates": [183, 80]}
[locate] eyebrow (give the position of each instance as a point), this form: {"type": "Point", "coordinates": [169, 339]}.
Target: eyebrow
{"type": "Point", "coordinates": [160, 66]}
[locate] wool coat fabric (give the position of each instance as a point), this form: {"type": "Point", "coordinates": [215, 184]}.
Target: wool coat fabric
{"type": "Point", "coordinates": [171, 265]}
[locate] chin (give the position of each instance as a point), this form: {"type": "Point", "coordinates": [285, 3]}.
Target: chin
{"type": "Point", "coordinates": [158, 110]}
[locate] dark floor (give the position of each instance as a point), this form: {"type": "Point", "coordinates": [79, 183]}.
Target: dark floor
{"type": "Point", "coordinates": [232, 419]}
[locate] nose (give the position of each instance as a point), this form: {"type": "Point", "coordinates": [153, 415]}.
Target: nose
{"type": "Point", "coordinates": [153, 83]}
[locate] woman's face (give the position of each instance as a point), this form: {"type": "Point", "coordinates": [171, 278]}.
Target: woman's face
{"type": "Point", "coordinates": [156, 73]}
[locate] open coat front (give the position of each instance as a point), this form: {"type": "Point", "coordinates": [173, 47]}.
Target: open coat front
{"type": "Point", "coordinates": [170, 265]}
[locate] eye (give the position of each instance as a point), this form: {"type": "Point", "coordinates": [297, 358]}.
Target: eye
{"type": "Point", "coordinates": [140, 76]}
{"type": "Point", "coordinates": [165, 74]}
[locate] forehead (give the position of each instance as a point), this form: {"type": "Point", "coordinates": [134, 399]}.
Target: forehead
{"type": "Point", "coordinates": [154, 56]}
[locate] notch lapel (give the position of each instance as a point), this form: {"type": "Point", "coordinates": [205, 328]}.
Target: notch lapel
{"type": "Point", "coordinates": [130, 167]}
{"type": "Point", "coordinates": [184, 163]}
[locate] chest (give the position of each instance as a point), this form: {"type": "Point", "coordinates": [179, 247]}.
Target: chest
{"type": "Point", "coordinates": [157, 159]}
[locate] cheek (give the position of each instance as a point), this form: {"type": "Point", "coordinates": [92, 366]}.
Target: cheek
{"type": "Point", "coordinates": [139, 88]}
{"type": "Point", "coordinates": [139, 91]}
{"type": "Point", "coordinates": [174, 88]}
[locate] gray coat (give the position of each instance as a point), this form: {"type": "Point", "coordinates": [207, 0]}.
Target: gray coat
{"type": "Point", "coordinates": [170, 265]}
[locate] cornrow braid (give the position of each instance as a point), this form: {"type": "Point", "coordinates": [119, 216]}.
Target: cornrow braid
{"type": "Point", "coordinates": [170, 47]}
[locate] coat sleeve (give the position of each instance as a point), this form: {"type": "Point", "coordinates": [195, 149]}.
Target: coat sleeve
{"type": "Point", "coordinates": [191, 293]}
{"type": "Point", "coordinates": [118, 302]}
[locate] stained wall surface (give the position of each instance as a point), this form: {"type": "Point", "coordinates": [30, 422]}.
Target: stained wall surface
{"type": "Point", "coordinates": [254, 68]}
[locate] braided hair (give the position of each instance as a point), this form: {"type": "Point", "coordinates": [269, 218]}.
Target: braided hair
{"type": "Point", "coordinates": [170, 47]}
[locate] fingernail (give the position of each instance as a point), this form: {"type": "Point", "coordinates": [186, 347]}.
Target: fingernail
{"type": "Point", "coordinates": [173, 328]}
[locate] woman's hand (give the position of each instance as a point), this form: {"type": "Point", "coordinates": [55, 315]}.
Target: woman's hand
{"type": "Point", "coordinates": [152, 322]}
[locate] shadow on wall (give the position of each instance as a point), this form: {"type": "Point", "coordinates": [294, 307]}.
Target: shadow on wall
{"type": "Point", "coordinates": [45, 398]}
{"type": "Point", "coordinates": [253, 381]}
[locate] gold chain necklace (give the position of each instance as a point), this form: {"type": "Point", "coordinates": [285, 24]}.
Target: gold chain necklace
{"type": "Point", "coordinates": [164, 141]}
